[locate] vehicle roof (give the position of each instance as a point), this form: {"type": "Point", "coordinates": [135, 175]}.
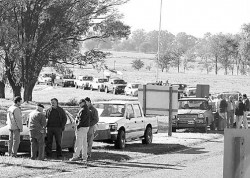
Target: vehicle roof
{"type": "Point", "coordinates": [192, 98]}
{"type": "Point", "coordinates": [117, 102]}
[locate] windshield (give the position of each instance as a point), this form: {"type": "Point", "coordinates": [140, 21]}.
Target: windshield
{"type": "Point", "coordinates": [119, 82]}
{"type": "Point", "coordinates": [193, 104]}
{"type": "Point", "coordinates": [87, 78]}
{"type": "Point", "coordinates": [102, 80]}
{"type": "Point", "coordinates": [110, 110]}
{"type": "Point", "coordinates": [135, 85]}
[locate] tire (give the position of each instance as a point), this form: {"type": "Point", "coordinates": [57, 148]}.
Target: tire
{"type": "Point", "coordinates": [2, 153]}
{"type": "Point", "coordinates": [106, 90]}
{"type": "Point", "coordinates": [72, 149]}
{"type": "Point", "coordinates": [148, 136]}
{"type": "Point", "coordinates": [204, 129]}
{"type": "Point", "coordinates": [173, 129]}
{"type": "Point", "coordinates": [121, 140]}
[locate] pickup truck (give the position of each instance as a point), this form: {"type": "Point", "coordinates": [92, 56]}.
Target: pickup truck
{"type": "Point", "coordinates": [115, 85]}
{"type": "Point", "coordinates": [194, 113]}
{"type": "Point", "coordinates": [45, 78]}
{"type": "Point", "coordinates": [98, 84]}
{"type": "Point", "coordinates": [83, 82]}
{"type": "Point", "coordinates": [65, 81]}
{"type": "Point", "coordinates": [124, 121]}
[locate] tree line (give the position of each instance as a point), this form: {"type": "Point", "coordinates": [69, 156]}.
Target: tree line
{"type": "Point", "coordinates": [213, 52]}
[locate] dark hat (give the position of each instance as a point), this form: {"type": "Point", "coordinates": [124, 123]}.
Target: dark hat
{"type": "Point", "coordinates": [81, 101]}
{"type": "Point", "coordinates": [40, 105]}
{"type": "Point", "coordinates": [244, 95]}
{"type": "Point", "coordinates": [88, 99]}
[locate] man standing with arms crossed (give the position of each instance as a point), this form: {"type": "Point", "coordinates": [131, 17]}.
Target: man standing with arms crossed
{"type": "Point", "coordinates": [94, 118]}
{"type": "Point", "coordinates": [37, 124]}
{"type": "Point", "coordinates": [15, 125]}
{"type": "Point", "coordinates": [55, 126]}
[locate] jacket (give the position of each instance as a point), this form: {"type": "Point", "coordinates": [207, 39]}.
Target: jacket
{"type": "Point", "coordinates": [62, 117]}
{"type": "Point", "coordinates": [83, 117]}
{"type": "Point", "coordinates": [94, 118]}
{"type": "Point", "coordinates": [14, 118]}
{"type": "Point", "coordinates": [239, 110]}
{"type": "Point", "coordinates": [37, 123]}
{"type": "Point", "coordinates": [247, 105]}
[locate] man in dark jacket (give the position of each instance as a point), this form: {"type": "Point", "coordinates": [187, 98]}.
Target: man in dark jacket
{"type": "Point", "coordinates": [223, 110]}
{"type": "Point", "coordinates": [81, 144]}
{"type": "Point", "coordinates": [246, 110]}
{"type": "Point", "coordinates": [55, 126]}
{"type": "Point", "coordinates": [94, 118]}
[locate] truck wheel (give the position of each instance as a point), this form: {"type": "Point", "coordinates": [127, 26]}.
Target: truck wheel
{"type": "Point", "coordinates": [173, 129]}
{"type": "Point", "coordinates": [204, 129]}
{"type": "Point", "coordinates": [121, 141]}
{"type": "Point", "coordinates": [2, 153]}
{"type": "Point", "coordinates": [148, 136]}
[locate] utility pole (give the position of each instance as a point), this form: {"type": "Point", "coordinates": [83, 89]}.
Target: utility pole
{"type": "Point", "coordinates": [158, 51]}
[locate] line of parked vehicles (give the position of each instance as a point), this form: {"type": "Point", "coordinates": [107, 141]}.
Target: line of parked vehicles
{"type": "Point", "coordinates": [87, 82]}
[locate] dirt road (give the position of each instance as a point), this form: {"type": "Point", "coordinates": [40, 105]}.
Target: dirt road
{"type": "Point", "coordinates": [202, 160]}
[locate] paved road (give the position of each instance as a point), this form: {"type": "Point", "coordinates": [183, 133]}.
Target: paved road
{"type": "Point", "coordinates": [203, 160]}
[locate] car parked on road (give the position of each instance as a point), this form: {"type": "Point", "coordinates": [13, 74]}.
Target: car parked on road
{"type": "Point", "coordinates": [45, 78]}
{"type": "Point", "coordinates": [98, 84]}
{"type": "Point", "coordinates": [124, 121]}
{"type": "Point", "coordinates": [194, 113]}
{"type": "Point", "coordinates": [83, 82]}
{"type": "Point", "coordinates": [131, 89]}
{"type": "Point", "coordinates": [65, 80]}
{"type": "Point", "coordinates": [68, 137]}
{"type": "Point", "coordinates": [115, 85]}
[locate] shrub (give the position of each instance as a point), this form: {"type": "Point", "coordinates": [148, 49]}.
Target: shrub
{"type": "Point", "coordinates": [72, 102]}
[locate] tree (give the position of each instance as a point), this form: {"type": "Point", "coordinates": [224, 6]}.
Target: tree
{"type": "Point", "coordinates": [35, 33]}
{"type": "Point", "coordinates": [188, 57]}
{"type": "Point", "coordinates": [138, 37]}
{"type": "Point", "coordinates": [137, 64]}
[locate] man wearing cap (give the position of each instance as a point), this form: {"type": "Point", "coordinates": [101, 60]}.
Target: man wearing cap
{"type": "Point", "coordinates": [36, 125]}
{"type": "Point", "coordinates": [82, 121]}
{"type": "Point", "coordinates": [246, 110]}
{"type": "Point", "coordinates": [15, 125]}
{"type": "Point", "coordinates": [94, 118]}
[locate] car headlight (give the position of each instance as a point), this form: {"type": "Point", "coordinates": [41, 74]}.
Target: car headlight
{"type": "Point", "coordinates": [200, 115]}
{"type": "Point", "coordinates": [113, 127]}
{"type": "Point", "coordinates": [26, 137]}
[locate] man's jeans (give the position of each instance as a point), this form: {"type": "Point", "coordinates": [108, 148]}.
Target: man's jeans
{"type": "Point", "coordinates": [14, 141]}
{"type": "Point", "coordinates": [37, 145]}
{"type": "Point", "coordinates": [91, 133]}
{"type": "Point", "coordinates": [230, 119]}
{"type": "Point", "coordinates": [51, 132]}
{"type": "Point", "coordinates": [238, 121]}
{"type": "Point", "coordinates": [81, 143]}
{"type": "Point", "coordinates": [245, 124]}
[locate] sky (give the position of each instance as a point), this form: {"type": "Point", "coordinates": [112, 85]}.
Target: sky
{"type": "Point", "coordinates": [195, 17]}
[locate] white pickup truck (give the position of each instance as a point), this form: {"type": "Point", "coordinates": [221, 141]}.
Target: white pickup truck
{"type": "Point", "coordinates": [83, 82]}
{"type": "Point", "coordinates": [121, 121]}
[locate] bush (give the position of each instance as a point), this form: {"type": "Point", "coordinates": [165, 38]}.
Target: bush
{"type": "Point", "coordinates": [72, 102]}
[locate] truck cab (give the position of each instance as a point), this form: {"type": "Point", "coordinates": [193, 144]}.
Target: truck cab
{"type": "Point", "coordinates": [98, 84]}
{"type": "Point", "coordinates": [83, 82]}
{"type": "Point", "coordinates": [124, 121]}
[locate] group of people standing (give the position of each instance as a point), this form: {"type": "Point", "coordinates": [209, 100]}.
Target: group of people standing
{"type": "Point", "coordinates": [53, 123]}
{"type": "Point", "coordinates": [233, 112]}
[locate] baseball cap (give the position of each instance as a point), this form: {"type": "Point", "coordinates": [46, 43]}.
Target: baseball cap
{"type": "Point", "coordinates": [87, 99]}
{"type": "Point", "coordinates": [40, 105]}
